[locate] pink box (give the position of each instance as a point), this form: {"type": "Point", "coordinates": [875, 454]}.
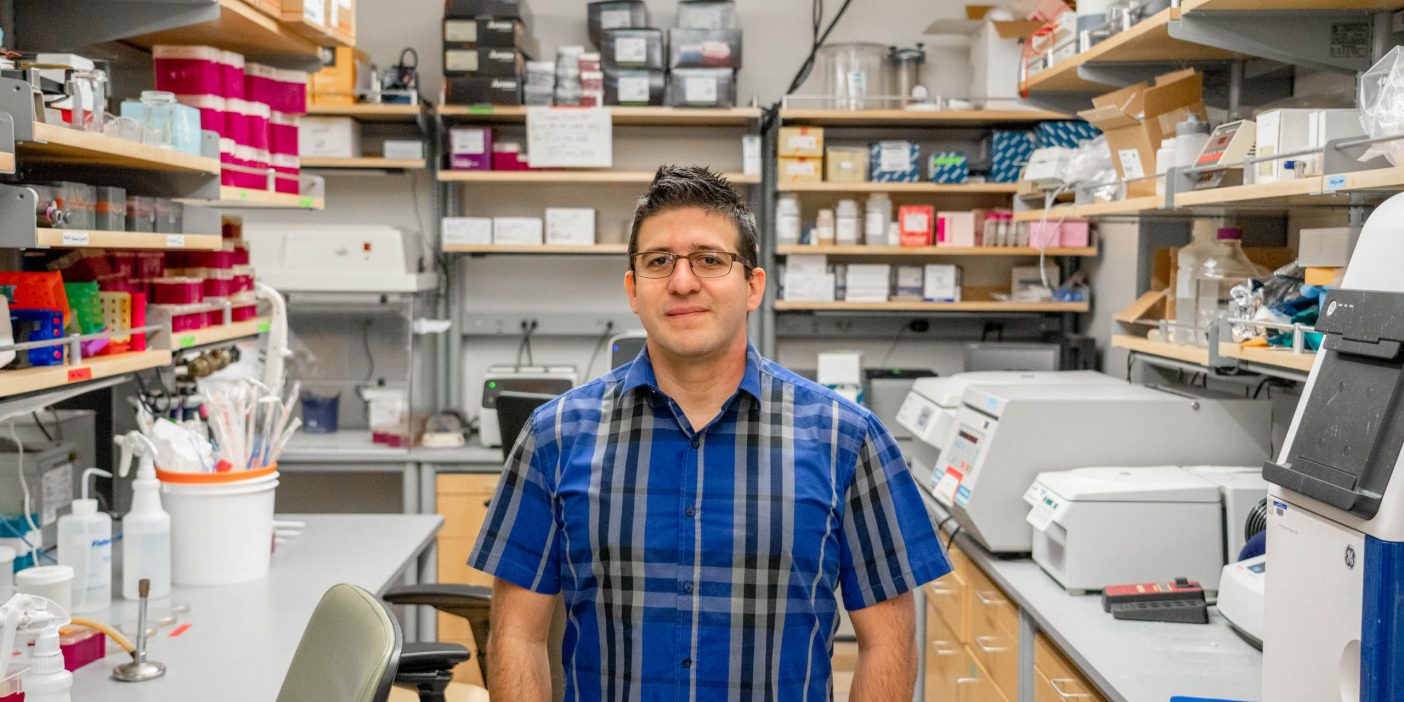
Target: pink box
{"type": "Point", "coordinates": [282, 130]}
{"type": "Point", "coordinates": [257, 116]}
{"type": "Point", "coordinates": [243, 313]}
{"type": "Point", "coordinates": [176, 291]}
{"type": "Point", "coordinates": [183, 317]}
{"type": "Point", "coordinates": [292, 87]}
{"type": "Point", "coordinates": [261, 83]}
{"type": "Point", "coordinates": [211, 109]}
{"type": "Point", "coordinates": [1053, 234]}
{"type": "Point", "coordinates": [289, 183]}
{"type": "Point", "coordinates": [472, 149]}
{"type": "Point", "coordinates": [236, 121]}
{"type": "Point", "coordinates": [188, 70]}
{"type": "Point", "coordinates": [231, 70]}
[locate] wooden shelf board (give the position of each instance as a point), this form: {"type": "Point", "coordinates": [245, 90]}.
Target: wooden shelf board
{"type": "Point", "coordinates": [1149, 41]}
{"type": "Point", "coordinates": [967, 306]}
{"type": "Point", "coordinates": [583, 176]}
{"type": "Point", "coordinates": [627, 116]}
{"type": "Point", "coordinates": [928, 251]}
{"type": "Point", "coordinates": [1275, 357]}
{"type": "Point", "coordinates": [365, 112]}
{"type": "Point", "coordinates": [1178, 352]}
{"type": "Point", "coordinates": [240, 27]}
{"type": "Point", "coordinates": [26, 380]}
{"type": "Point", "coordinates": [913, 118]}
{"type": "Point", "coordinates": [1135, 205]}
{"type": "Point", "coordinates": [875, 187]}
{"type": "Point", "coordinates": [60, 144]}
{"type": "Point", "coordinates": [7, 162]}
{"type": "Point", "coordinates": [1281, 5]}
{"type": "Point", "coordinates": [1284, 193]}
{"type": "Point", "coordinates": [243, 198]}
{"type": "Point", "coordinates": [293, 20]}
{"type": "Point", "coordinates": [221, 333]}
{"type": "Point", "coordinates": [1378, 179]}
{"type": "Point", "coordinates": [80, 238]}
{"type": "Point", "coordinates": [364, 162]}
{"type": "Point", "coordinates": [595, 250]}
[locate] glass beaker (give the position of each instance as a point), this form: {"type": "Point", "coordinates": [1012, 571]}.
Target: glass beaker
{"type": "Point", "coordinates": [159, 109]}
{"type": "Point", "coordinates": [854, 74]}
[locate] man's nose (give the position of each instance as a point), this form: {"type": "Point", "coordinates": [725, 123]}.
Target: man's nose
{"type": "Point", "coordinates": [683, 280]}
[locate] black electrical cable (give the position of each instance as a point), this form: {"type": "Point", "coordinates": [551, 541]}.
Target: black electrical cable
{"type": "Point", "coordinates": [808, 65]}
{"type": "Point", "coordinates": [951, 541]}
{"type": "Point", "coordinates": [40, 423]}
{"type": "Point", "coordinates": [590, 367]}
{"type": "Point", "coordinates": [893, 347]}
{"type": "Point", "coordinates": [365, 343]}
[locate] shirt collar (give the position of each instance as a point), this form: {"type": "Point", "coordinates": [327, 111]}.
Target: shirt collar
{"type": "Point", "coordinates": [641, 374]}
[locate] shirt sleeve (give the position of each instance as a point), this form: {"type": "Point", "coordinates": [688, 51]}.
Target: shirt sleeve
{"type": "Point", "coordinates": [518, 540]}
{"type": "Point", "coordinates": [889, 545]}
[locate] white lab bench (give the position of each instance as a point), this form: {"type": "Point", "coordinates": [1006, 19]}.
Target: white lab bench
{"type": "Point", "coordinates": [242, 637]}
{"type": "Point", "coordinates": [1127, 661]}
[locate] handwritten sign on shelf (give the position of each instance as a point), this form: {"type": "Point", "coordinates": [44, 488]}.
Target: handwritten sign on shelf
{"type": "Point", "coordinates": [569, 137]}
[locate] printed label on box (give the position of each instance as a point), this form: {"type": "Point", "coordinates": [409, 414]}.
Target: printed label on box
{"type": "Point", "coordinates": [895, 157]}
{"type": "Point", "coordinates": [465, 60]}
{"type": "Point", "coordinates": [75, 238]}
{"type": "Point", "coordinates": [804, 142]}
{"type": "Point", "coordinates": [804, 168]}
{"type": "Point", "coordinates": [916, 222]}
{"type": "Point", "coordinates": [700, 90]}
{"type": "Point", "coordinates": [631, 50]}
{"type": "Point", "coordinates": [467, 141]}
{"type": "Point", "coordinates": [633, 89]}
{"type": "Point", "coordinates": [1130, 164]}
{"type": "Point", "coordinates": [461, 30]}
{"type": "Point", "coordinates": [615, 19]}
{"type": "Point", "coordinates": [175, 241]}
{"type": "Point", "coordinates": [1335, 182]}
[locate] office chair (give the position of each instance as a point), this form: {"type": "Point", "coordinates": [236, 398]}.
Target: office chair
{"type": "Point", "coordinates": [513, 410]}
{"type": "Point", "coordinates": [352, 651]}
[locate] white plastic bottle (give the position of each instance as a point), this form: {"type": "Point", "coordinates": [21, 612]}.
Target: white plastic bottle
{"type": "Point", "coordinates": [46, 680]}
{"type": "Point", "coordinates": [824, 228]}
{"type": "Point", "coordinates": [1190, 137]}
{"type": "Point", "coordinates": [85, 543]}
{"type": "Point", "coordinates": [1164, 159]}
{"type": "Point", "coordinates": [787, 219]}
{"type": "Point", "coordinates": [877, 213]}
{"type": "Point", "coordinates": [846, 223]}
{"type": "Point", "coordinates": [1187, 263]}
{"type": "Point", "coordinates": [146, 530]}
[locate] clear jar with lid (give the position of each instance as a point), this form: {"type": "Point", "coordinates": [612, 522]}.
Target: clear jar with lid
{"type": "Point", "coordinates": [158, 107]}
{"type": "Point", "coordinates": [846, 223]}
{"type": "Point", "coordinates": [787, 219]}
{"type": "Point", "coordinates": [824, 228]}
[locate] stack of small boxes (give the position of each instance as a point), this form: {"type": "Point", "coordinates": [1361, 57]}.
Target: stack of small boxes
{"type": "Point", "coordinates": [703, 53]}
{"type": "Point", "coordinates": [563, 226]}
{"type": "Point", "coordinates": [487, 44]}
{"type": "Point", "coordinates": [253, 109]}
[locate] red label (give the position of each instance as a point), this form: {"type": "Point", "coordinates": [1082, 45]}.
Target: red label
{"type": "Point", "coordinates": [179, 630]}
{"type": "Point", "coordinates": [78, 374]}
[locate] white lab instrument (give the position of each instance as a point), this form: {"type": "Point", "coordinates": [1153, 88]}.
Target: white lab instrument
{"type": "Point", "coordinates": [340, 258]}
{"type": "Point", "coordinates": [1101, 526]}
{"type": "Point", "coordinates": [146, 530]}
{"type": "Point", "coordinates": [624, 348]}
{"type": "Point", "coordinates": [929, 412]}
{"type": "Point", "coordinates": [550, 380]}
{"type": "Point", "coordinates": [1241, 598]}
{"type": "Point", "coordinates": [1006, 435]}
{"type": "Point", "coordinates": [1335, 537]}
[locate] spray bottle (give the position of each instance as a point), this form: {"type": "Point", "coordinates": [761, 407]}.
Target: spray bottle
{"type": "Point", "coordinates": [85, 543]}
{"type": "Point", "coordinates": [146, 530]}
{"type": "Point", "coordinates": [46, 680]}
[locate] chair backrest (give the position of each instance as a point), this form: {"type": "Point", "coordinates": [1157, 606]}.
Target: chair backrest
{"type": "Point", "coordinates": [348, 652]}
{"type": "Point", "coordinates": [513, 411]}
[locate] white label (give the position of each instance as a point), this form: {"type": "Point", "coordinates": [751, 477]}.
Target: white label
{"type": "Point", "coordinates": [751, 154]}
{"type": "Point", "coordinates": [175, 241]}
{"type": "Point", "coordinates": [857, 84]}
{"type": "Point", "coordinates": [894, 157]}
{"type": "Point", "coordinates": [57, 489]}
{"type": "Point", "coordinates": [73, 237]}
{"type": "Point", "coordinates": [1043, 510]}
{"type": "Point", "coordinates": [1335, 182]}
{"type": "Point", "coordinates": [946, 486]}
{"type": "Point", "coordinates": [803, 168]}
{"type": "Point", "coordinates": [461, 60]}
{"type": "Point", "coordinates": [615, 19]}
{"type": "Point", "coordinates": [461, 30]}
{"type": "Point", "coordinates": [1131, 164]}
{"type": "Point", "coordinates": [569, 138]}
{"type": "Point", "coordinates": [314, 11]}
{"type": "Point", "coordinates": [700, 90]}
{"type": "Point", "coordinates": [916, 222]}
{"type": "Point", "coordinates": [804, 142]}
{"type": "Point", "coordinates": [468, 141]}
{"type": "Point", "coordinates": [633, 89]}
{"type": "Point", "coordinates": [630, 50]}
{"type": "Point", "coordinates": [1266, 169]}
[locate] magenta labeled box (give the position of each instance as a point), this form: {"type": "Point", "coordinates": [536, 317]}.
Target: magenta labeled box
{"type": "Point", "coordinates": [188, 70]}
{"type": "Point", "coordinates": [470, 149]}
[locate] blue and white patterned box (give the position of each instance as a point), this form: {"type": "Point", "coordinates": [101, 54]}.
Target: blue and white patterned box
{"type": "Point", "coordinates": [1009, 152]}
{"type": "Point", "coordinates": [1065, 133]}
{"type": "Point", "coordinates": [948, 167]}
{"type": "Point", "coordinates": [894, 162]}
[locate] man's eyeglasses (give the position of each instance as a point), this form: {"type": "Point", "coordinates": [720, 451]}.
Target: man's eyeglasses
{"type": "Point", "coordinates": [704, 264]}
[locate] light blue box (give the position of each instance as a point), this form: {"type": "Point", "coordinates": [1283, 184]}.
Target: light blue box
{"type": "Point", "coordinates": [948, 167]}
{"type": "Point", "coordinates": [185, 127]}
{"type": "Point", "coordinates": [1065, 133]}
{"type": "Point", "coordinates": [1009, 153]}
{"type": "Point", "coordinates": [905, 168]}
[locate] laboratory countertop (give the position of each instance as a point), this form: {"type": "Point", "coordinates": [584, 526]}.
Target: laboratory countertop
{"type": "Point", "coordinates": [242, 637]}
{"type": "Point", "coordinates": [1128, 661]}
{"type": "Point", "coordinates": [355, 446]}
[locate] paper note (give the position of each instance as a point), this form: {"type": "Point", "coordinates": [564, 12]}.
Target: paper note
{"type": "Point", "coordinates": [569, 137]}
{"type": "Point", "coordinates": [1131, 164]}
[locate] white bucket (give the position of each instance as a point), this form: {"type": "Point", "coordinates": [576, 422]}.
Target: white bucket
{"type": "Point", "coordinates": [221, 533]}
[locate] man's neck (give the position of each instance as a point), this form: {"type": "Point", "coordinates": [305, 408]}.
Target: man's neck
{"type": "Point", "coordinates": [700, 385]}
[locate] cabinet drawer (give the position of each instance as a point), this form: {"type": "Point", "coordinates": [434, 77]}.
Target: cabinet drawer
{"type": "Point", "coordinates": [994, 626]}
{"type": "Point", "coordinates": [977, 686]}
{"type": "Point", "coordinates": [946, 659]}
{"type": "Point", "coordinates": [946, 598]}
{"type": "Point", "coordinates": [1057, 679]}
{"type": "Point", "coordinates": [466, 483]}
{"type": "Point", "coordinates": [463, 514]}
{"type": "Point", "coordinates": [453, 564]}
{"type": "Point", "coordinates": [990, 608]}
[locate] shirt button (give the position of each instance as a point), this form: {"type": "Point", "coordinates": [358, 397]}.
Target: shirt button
{"type": "Point", "coordinates": [687, 662]}
{"type": "Point", "coordinates": [687, 587]}
{"type": "Point", "coordinates": [696, 442]}
{"type": "Point", "coordinates": [690, 511]}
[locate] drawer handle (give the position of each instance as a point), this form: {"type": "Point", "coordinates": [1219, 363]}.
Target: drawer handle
{"type": "Point", "coordinates": [989, 599]}
{"type": "Point", "coordinates": [1057, 684]}
{"type": "Point", "coordinates": [939, 590]}
{"type": "Point", "coordinates": [960, 686]}
{"type": "Point", "coordinates": [987, 648]}
{"type": "Point", "coordinates": [944, 648]}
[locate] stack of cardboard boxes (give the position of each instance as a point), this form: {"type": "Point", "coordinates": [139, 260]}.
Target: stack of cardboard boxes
{"type": "Point", "coordinates": [486, 46]}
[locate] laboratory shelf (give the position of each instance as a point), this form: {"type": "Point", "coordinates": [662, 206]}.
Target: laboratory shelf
{"type": "Point", "coordinates": [244, 198]}
{"type": "Point", "coordinates": [1135, 205]}
{"type": "Point", "coordinates": [1247, 358]}
{"type": "Point", "coordinates": [220, 334]}
{"type": "Point", "coordinates": [929, 251]}
{"type": "Point", "coordinates": [1195, 355]}
{"type": "Point", "coordinates": [365, 162]}
{"type": "Point", "coordinates": [61, 145]}
{"type": "Point", "coordinates": [621, 116]}
{"type": "Point", "coordinates": [581, 177]}
{"type": "Point", "coordinates": [1191, 6]}
{"type": "Point", "coordinates": [1302, 191]}
{"type": "Point", "coordinates": [366, 112]}
{"type": "Point", "coordinates": [1271, 356]}
{"type": "Point", "coordinates": [542, 250]}
{"type": "Point", "coordinates": [1149, 41]}
{"type": "Point", "coordinates": [292, 18]}
{"type": "Point", "coordinates": [926, 188]}
{"type": "Point", "coordinates": [913, 118]}
{"type": "Point", "coordinates": [238, 27]}
{"type": "Point", "coordinates": [83, 238]}
{"type": "Point", "coordinates": [964, 306]}
{"type": "Point", "coordinates": [27, 380]}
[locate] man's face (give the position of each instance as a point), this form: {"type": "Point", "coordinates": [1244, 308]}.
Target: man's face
{"type": "Point", "coordinates": [685, 315]}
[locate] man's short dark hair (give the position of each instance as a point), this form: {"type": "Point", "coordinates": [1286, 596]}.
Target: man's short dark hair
{"type": "Point", "coordinates": [675, 187]}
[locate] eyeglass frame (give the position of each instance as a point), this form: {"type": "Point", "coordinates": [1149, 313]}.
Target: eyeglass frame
{"type": "Point", "coordinates": [734, 257]}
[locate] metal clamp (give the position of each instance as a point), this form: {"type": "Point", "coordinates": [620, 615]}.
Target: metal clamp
{"type": "Point", "coordinates": [980, 644]}
{"type": "Point", "coordinates": [1057, 685]}
{"type": "Point", "coordinates": [988, 599]}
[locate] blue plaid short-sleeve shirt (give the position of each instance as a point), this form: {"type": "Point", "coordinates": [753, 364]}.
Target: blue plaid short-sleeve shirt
{"type": "Point", "coordinates": [706, 564]}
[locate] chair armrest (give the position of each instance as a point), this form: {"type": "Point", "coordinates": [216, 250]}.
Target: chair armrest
{"type": "Point", "coordinates": [440, 596]}
{"type": "Point", "coordinates": [430, 657]}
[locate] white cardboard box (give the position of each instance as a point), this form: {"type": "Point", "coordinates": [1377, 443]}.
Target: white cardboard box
{"type": "Point", "coordinates": [516, 231]}
{"type": "Point", "coordinates": [472, 231]}
{"type": "Point", "coordinates": [840, 368]}
{"type": "Point", "coordinates": [1325, 126]}
{"type": "Point", "coordinates": [403, 149]}
{"type": "Point", "coordinates": [329, 137]}
{"type": "Point", "coordinates": [1330, 247]}
{"type": "Point", "coordinates": [1279, 132]}
{"type": "Point", "coordinates": [957, 228]}
{"type": "Point", "coordinates": [941, 283]}
{"type": "Point", "coordinates": [570, 226]}
{"type": "Point", "coordinates": [809, 287]}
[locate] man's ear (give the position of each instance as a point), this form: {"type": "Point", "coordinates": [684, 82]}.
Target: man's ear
{"type": "Point", "coordinates": [632, 290]}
